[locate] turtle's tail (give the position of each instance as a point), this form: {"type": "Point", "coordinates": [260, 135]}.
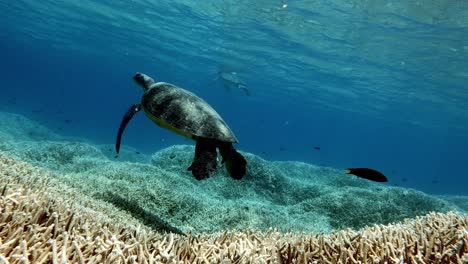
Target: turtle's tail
{"type": "Point", "coordinates": [235, 163]}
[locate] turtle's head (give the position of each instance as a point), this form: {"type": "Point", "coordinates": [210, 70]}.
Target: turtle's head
{"type": "Point", "coordinates": [143, 80]}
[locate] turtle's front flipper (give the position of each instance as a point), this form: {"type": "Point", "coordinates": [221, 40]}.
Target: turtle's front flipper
{"type": "Point", "coordinates": [235, 163]}
{"type": "Point", "coordinates": [130, 113]}
{"type": "Point", "coordinates": [206, 159]}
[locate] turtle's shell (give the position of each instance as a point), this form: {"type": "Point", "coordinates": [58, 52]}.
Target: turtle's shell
{"type": "Point", "coordinates": [184, 113]}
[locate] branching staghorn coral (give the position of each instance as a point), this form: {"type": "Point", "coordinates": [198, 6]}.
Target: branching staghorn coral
{"type": "Point", "coordinates": [42, 223]}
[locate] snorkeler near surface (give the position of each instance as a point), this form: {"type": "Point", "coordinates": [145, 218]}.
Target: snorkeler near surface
{"type": "Point", "coordinates": [188, 115]}
{"type": "Point", "coordinates": [368, 174]}
{"type": "Point", "coordinates": [231, 80]}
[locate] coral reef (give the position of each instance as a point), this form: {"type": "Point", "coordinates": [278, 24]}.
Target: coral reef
{"type": "Point", "coordinates": [158, 189]}
{"type": "Point", "coordinates": [19, 127]}
{"type": "Point", "coordinates": [281, 194]}
{"type": "Point", "coordinates": [44, 221]}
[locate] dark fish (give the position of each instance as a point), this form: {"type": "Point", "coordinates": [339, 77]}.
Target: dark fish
{"type": "Point", "coordinates": [172, 156]}
{"type": "Point", "coordinates": [404, 179]}
{"type": "Point", "coordinates": [282, 149]}
{"type": "Point", "coordinates": [68, 121]}
{"type": "Point", "coordinates": [368, 174]}
{"type": "Point", "coordinates": [137, 152]}
{"type": "Point", "coordinates": [434, 181]}
{"type": "Point", "coordinates": [317, 148]}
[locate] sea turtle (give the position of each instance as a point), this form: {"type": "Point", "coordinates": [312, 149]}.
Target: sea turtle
{"type": "Point", "coordinates": [188, 115]}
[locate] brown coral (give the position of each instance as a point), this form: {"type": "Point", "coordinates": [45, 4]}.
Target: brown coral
{"type": "Point", "coordinates": [43, 221]}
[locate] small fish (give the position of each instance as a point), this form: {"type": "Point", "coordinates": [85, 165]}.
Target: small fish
{"type": "Point", "coordinates": [317, 148]}
{"type": "Point", "coordinates": [368, 174]}
{"type": "Point", "coordinates": [172, 156]}
{"type": "Point", "coordinates": [68, 121]}
{"type": "Point", "coordinates": [137, 152]}
{"type": "Point", "coordinates": [404, 179]}
{"type": "Point", "coordinates": [282, 149]}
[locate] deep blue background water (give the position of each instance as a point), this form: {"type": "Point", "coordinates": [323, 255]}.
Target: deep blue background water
{"type": "Point", "coordinates": [389, 95]}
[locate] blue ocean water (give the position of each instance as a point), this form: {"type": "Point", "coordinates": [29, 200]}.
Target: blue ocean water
{"type": "Point", "coordinates": [379, 85]}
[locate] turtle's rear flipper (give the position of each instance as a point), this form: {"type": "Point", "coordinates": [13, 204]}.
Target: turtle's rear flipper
{"type": "Point", "coordinates": [206, 159]}
{"type": "Point", "coordinates": [235, 163]}
{"type": "Point", "coordinates": [130, 113]}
